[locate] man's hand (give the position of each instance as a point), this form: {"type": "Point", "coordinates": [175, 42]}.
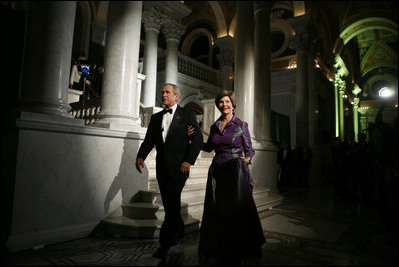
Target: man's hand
{"type": "Point", "coordinates": [190, 130]}
{"type": "Point", "coordinates": [185, 167]}
{"type": "Point", "coordinates": [139, 164]}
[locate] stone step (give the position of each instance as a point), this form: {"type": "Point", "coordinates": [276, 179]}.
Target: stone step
{"type": "Point", "coordinates": [261, 192]}
{"type": "Point", "coordinates": [139, 228]}
{"type": "Point", "coordinates": [197, 190]}
{"type": "Point", "coordinates": [194, 172]}
{"type": "Point", "coordinates": [272, 200]}
{"type": "Point", "coordinates": [140, 210]}
{"type": "Point", "coordinates": [199, 161]}
{"type": "Point", "coordinates": [143, 196]}
{"type": "Point", "coordinates": [194, 200]}
{"type": "Point", "coordinates": [191, 182]}
{"type": "Point", "coordinates": [183, 210]}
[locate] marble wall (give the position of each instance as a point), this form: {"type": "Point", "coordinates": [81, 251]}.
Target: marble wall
{"type": "Point", "coordinates": [95, 173]}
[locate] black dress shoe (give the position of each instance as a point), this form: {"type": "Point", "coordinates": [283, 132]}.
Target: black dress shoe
{"type": "Point", "coordinates": [160, 253]}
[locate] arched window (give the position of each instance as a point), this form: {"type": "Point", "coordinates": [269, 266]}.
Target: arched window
{"type": "Point", "coordinates": [200, 49]}
{"type": "Point", "coordinates": [198, 44]}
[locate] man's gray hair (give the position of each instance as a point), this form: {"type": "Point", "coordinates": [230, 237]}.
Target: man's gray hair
{"type": "Point", "coordinates": [176, 90]}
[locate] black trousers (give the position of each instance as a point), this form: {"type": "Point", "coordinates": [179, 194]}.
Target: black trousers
{"type": "Point", "coordinates": [172, 229]}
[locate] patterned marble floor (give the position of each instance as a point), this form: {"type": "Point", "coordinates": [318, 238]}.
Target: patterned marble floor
{"type": "Point", "coordinates": [310, 228]}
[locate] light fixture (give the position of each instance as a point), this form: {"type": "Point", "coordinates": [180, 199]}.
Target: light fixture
{"type": "Point", "coordinates": [385, 92]}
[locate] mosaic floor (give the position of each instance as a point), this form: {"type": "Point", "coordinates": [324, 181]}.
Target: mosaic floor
{"type": "Point", "coordinates": [310, 228]}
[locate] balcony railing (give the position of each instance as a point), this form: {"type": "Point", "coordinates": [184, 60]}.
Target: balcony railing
{"type": "Point", "coordinates": [192, 68]}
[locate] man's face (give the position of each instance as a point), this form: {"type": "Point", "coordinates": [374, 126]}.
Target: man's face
{"type": "Point", "coordinates": [169, 98]}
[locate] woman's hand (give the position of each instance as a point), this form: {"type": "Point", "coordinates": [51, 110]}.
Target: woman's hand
{"type": "Point", "coordinates": [190, 130]}
{"type": "Point", "coordinates": [246, 160]}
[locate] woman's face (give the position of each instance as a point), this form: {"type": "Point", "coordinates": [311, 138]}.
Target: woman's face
{"type": "Point", "coordinates": [225, 105]}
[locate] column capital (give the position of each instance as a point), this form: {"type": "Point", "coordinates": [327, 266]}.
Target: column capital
{"type": "Point", "coordinates": [225, 43]}
{"type": "Point", "coordinates": [152, 19]}
{"type": "Point", "coordinates": [339, 67]}
{"type": "Point", "coordinates": [356, 102]}
{"type": "Point", "coordinates": [172, 29]}
{"type": "Point", "coordinates": [340, 84]}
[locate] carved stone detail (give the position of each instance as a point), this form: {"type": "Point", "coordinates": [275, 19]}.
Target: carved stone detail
{"type": "Point", "coordinates": [173, 29]}
{"type": "Point", "coordinates": [152, 19]}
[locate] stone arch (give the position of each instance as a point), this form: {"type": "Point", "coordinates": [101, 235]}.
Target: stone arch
{"type": "Point", "coordinates": [233, 26]}
{"type": "Point", "coordinates": [194, 102]}
{"type": "Point", "coordinates": [220, 18]}
{"type": "Point", "coordinates": [192, 37]}
{"type": "Point", "coordinates": [362, 25]}
{"type": "Point", "coordinates": [280, 25]}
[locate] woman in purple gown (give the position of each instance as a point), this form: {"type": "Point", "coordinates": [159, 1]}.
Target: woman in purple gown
{"type": "Point", "coordinates": [230, 224]}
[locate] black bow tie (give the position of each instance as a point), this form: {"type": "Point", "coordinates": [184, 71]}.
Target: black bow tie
{"type": "Point", "coordinates": [167, 110]}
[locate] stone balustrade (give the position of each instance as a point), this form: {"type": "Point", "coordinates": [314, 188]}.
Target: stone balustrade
{"type": "Point", "coordinates": [86, 111]}
{"type": "Point", "coordinates": [192, 68]}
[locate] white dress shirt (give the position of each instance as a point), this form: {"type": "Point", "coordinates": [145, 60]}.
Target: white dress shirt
{"type": "Point", "coordinates": [166, 121]}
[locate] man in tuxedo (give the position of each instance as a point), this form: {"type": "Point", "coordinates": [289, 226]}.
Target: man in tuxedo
{"type": "Point", "coordinates": [176, 152]}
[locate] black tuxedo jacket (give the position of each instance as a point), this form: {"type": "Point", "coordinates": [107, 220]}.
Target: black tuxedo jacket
{"type": "Point", "coordinates": [178, 147]}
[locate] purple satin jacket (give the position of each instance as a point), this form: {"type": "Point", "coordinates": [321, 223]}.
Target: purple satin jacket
{"type": "Point", "coordinates": [233, 142]}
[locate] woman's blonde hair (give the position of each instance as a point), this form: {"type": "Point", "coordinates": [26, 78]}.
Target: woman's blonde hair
{"type": "Point", "coordinates": [224, 93]}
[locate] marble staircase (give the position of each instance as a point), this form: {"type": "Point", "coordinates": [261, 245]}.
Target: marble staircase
{"type": "Point", "coordinates": [194, 190]}
{"type": "Point", "coordinates": [143, 215]}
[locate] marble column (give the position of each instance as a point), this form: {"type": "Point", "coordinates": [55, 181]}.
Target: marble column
{"type": "Point", "coordinates": [364, 124]}
{"type": "Point", "coordinates": [305, 108]}
{"type": "Point", "coordinates": [244, 63]}
{"type": "Point", "coordinates": [341, 92]}
{"type": "Point", "coordinates": [226, 44]}
{"type": "Point", "coordinates": [336, 108]}
{"type": "Point", "coordinates": [120, 93]}
{"type": "Point", "coordinates": [355, 117]}
{"type": "Point", "coordinates": [152, 25]}
{"type": "Point", "coordinates": [47, 60]}
{"type": "Point", "coordinates": [356, 90]}
{"type": "Point", "coordinates": [264, 164]}
{"type": "Point", "coordinates": [339, 83]}
{"type": "Point", "coordinates": [303, 98]}
{"type": "Point", "coordinates": [262, 94]}
{"type": "Point", "coordinates": [173, 30]}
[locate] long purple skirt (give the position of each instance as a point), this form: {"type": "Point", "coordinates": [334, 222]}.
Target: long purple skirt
{"type": "Point", "coordinates": [230, 221]}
